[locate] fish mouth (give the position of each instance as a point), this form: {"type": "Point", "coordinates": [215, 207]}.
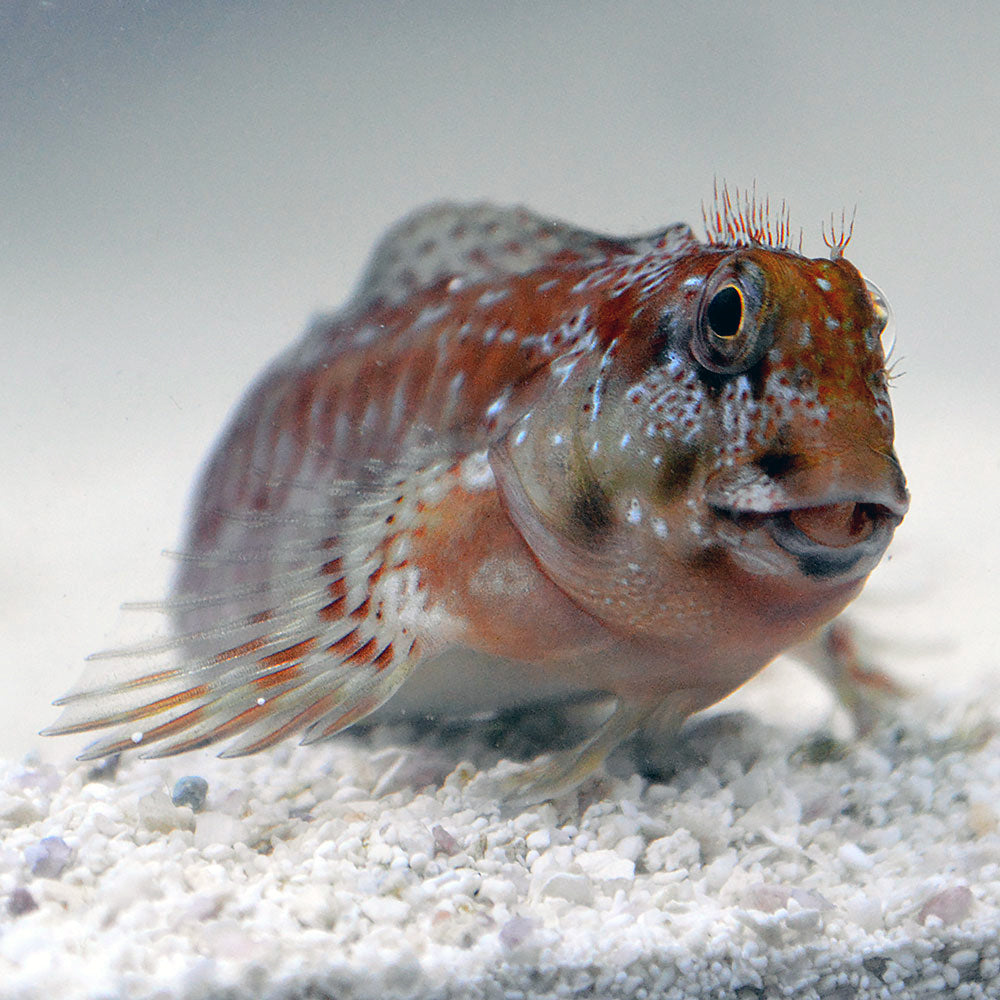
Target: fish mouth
{"type": "Point", "coordinates": [833, 538]}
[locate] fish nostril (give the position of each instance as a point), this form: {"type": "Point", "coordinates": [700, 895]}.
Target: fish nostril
{"type": "Point", "coordinates": [775, 464]}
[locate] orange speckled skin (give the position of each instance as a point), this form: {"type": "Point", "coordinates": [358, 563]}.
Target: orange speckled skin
{"type": "Point", "coordinates": [639, 466]}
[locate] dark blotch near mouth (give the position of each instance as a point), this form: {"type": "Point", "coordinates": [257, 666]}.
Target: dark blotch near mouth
{"type": "Point", "coordinates": [591, 512]}
{"type": "Point", "coordinates": [776, 464]}
{"type": "Point", "coordinates": [828, 562]}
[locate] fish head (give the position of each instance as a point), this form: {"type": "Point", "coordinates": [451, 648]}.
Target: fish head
{"type": "Point", "coordinates": [804, 466]}
{"type": "Point", "coordinates": [728, 432]}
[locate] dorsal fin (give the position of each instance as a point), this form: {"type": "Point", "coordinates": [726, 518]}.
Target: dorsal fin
{"type": "Point", "coordinates": [481, 242]}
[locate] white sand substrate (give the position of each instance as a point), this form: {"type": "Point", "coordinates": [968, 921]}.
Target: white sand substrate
{"type": "Point", "coordinates": [758, 867]}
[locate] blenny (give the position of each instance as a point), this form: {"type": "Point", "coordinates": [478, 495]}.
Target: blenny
{"type": "Point", "coordinates": [639, 466]}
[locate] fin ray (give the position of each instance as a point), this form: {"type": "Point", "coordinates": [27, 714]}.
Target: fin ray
{"type": "Point", "coordinates": [314, 645]}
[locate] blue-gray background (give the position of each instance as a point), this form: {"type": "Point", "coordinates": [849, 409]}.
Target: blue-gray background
{"type": "Point", "coordinates": [183, 184]}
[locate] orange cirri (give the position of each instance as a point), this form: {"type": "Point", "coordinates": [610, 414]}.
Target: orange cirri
{"type": "Point", "coordinates": [639, 466]}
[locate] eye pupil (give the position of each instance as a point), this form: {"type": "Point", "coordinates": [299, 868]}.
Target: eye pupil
{"type": "Point", "coordinates": [725, 312]}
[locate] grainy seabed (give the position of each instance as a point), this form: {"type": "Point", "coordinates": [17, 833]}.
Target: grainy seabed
{"type": "Point", "coordinates": [760, 867]}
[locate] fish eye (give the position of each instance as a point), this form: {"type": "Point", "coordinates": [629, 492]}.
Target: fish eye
{"type": "Point", "coordinates": [879, 303]}
{"type": "Point", "coordinates": [725, 313]}
{"type": "Point", "coordinates": [883, 315]}
{"type": "Point", "coordinates": [732, 333]}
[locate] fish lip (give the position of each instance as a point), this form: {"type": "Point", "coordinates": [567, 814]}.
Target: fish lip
{"type": "Point", "coordinates": [819, 559]}
{"type": "Point", "coordinates": [815, 558]}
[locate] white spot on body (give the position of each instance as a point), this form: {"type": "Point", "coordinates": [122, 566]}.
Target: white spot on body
{"type": "Point", "coordinates": [660, 527]}
{"type": "Point", "coordinates": [398, 406]}
{"type": "Point", "coordinates": [435, 483]}
{"type": "Point", "coordinates": [369, 420]}
{"type": "Point", "coordinates": [399, 549]}
{"type": "Point", "coordinates": [475, 473]}
{"type": "Point", "coordinates": [499, 404]}
{"type": "Point", "coordinates": [634, 515]}
{"type": "Point", "coordinates": [565, 335]}
{"type": "Point", "coordinates": [365, 335]}
{"type": "Point", "coordinates": [430, 315]}
{"type": "Point", "coordinates": [454, 391]}
{"type": "Point", "coordinates": [823, 284]}
{"type": "Point", "coordinates": [831, 323]}
{"type": "Point", "coordinates": [596, 396]}
{"type": "Point", "coordinates": [492, 296]}
{"type": "Point", "coordinates": [740, 414]}
{"type": "Point", "coordinates": [786, 395]}
{"type": "Point", "coordinates": [406, 605]}
{"type": "Point", "coordinates": [563, 368]}
{"type": "Point", "coordinates": [137, 737]}
{"type": "Point", "coordinates": [500, 576]}
{"type": "Point", "coordinates": [623, 444]}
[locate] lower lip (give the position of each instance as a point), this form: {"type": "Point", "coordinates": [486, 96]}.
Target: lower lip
{"type": "Point", "coordinates": [843, 540]}
{"type": "Point", "coordinates": [835, 541]}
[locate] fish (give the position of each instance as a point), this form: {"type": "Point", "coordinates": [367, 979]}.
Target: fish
{"type": "Point", "coordinates": [527, 460]}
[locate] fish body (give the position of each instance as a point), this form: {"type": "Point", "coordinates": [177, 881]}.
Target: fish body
{"type": "Point", "coordinates": [638, 466]}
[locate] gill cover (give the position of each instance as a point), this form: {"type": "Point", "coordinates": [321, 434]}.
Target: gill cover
{"type": "Point", "coordinates": [561, 473]}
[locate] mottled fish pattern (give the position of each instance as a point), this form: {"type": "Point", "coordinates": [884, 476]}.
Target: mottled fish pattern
{"type": "Point", "coordinates": [639, 466]}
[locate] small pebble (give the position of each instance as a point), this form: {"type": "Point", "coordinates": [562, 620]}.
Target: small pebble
{"type": "Point", "coordinates": [516, 931]}
{"type": "Point", "coordinates": [444, 841]}
{"type": "Point", "coordinates": [190, 790]}
{"type": "Point", "coordinates": [950, 906]}
{"type": "Point", "coordinates": [20, 901]}
{"type": "Point", "coordinates": [574, 888]}
{"type": "Point", "coordinates": [105, 769]}
{"type": "Point", "coordinates": [821, 748]}
{"type": "Point", "coordinates": [159, 814]}
{"type": "Point", "coordinates": [49, 857]}
{"type": "Point", "coordinates": [216, 828]}
{"type": "Point", "coordinates": [965, 958]}
{"type": "Point", "coordinates": [606, 866]}
{"type": "Point", "coordinates": [767, 898]}
{"type": "Point", "coordinates": [982, 819]}
{"type": "Point", "coordinates": [853, 857]}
